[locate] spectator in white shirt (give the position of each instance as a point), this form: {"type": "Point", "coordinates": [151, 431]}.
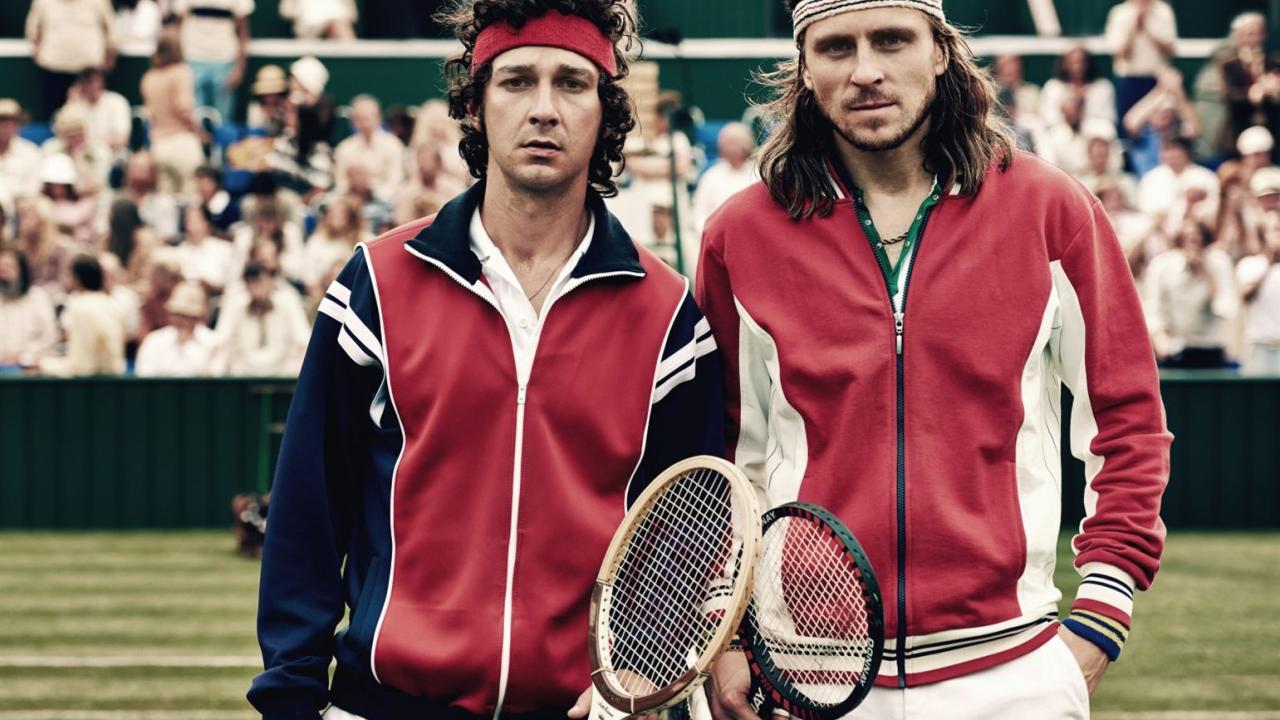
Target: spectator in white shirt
{"type": "Point", "coordinates": [92, 161]}
{"type": "Point", "coordinates": [93, 325]}
{"type": "Point", "coordinates": [69, 36]}
{"type": "Point", "coordinates": [108, 117]}
{"type": "Point", "coordinates": [334, 241]}
{"type": "Point", "coordinates": [1103, 163]}
{"type": "Point", "coordinates": [186, 347]}
{"type": "Point", "coordinates": [138, 26]}
{"type": "Point", "coordinates": [378, 150]}
{"type": "Point", "coordinates": [139, 208]}
{"type": "Point", "coordinates": [1133, 229]}
{"type": "Point", "coordinates": [1142, 36]}
{"type": "Point", "coordinates": [1078, 72]}
{"type": "Point", "coordinates": [1259, 279]}
{"type": "Point", "coordinates": [321, 19]}
{"type": "Point", "coordinates": [204, 257]}
{"type": "Point", "coordinates": [1160, 189]}
{"type": "Point", "coordinates": [19, 157]}
{"type": "Point", "coordinates": [268, 225]}
{"type": "Point", "coordinates": [732, 172]}
{"type": "Point", "coordinates": [265, 332]}
{"type": "Point", "coordinates": [1023, 97]}
{"type": "Point", "coordinates": [1066, 143]}
{"type": "Point", "coordinates": [1190, 299]}
{"type": "Point", "coordinates": [28, 328]}
{"type": "Point", "coordinates": [215, 44]}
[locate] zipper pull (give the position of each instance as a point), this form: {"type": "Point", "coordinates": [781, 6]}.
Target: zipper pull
{"type": "Point", "coordinates": [897, 328]}
{"type": "Point", "coordinates": [520, 393]}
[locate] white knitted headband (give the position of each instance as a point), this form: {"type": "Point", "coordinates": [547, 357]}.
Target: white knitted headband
{"type": "Point", "coordinates": [807, 12]}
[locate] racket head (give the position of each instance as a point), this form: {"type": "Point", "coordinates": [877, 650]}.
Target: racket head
{"type": "Point", "coordinates": [674, 585]}
{"type": "Point", "coordinates": [814, 634]}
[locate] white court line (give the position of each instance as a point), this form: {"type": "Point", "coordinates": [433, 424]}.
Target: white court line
{"type": "Point", "coordinates": [1177, 715]}
{"type": "Point", "coordinates": [126, 715]}
{"type": "Point", "coordinates": [109, 661]}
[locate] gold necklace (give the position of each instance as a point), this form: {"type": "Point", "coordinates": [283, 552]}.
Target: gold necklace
{"type": "Point", "coordinates": [543, 286]}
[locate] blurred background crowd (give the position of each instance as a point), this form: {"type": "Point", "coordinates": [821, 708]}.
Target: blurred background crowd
{"type": "Point", "coordinates": [195, 234]}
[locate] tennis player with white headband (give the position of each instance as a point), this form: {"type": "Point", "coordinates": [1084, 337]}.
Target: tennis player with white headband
{"type": "Point", "coordinates": [485, 391]}
{"type": "Point", "coordinates": [898, 304]}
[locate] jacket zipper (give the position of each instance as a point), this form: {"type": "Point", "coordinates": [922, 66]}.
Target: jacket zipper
{"type": "Point", "coordinates": [899, 332]}
{"type": "Point", "coordinates": [522, 389]}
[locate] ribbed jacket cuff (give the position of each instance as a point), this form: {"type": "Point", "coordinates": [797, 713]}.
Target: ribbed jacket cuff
{"type": "Point", "coordinates": [1103, 609]}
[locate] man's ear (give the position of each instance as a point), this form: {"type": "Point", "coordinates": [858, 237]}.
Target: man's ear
{"type": "Point", "coordinates": [805, 77]}
{"type": "Point", "coordinates": [941, 59]}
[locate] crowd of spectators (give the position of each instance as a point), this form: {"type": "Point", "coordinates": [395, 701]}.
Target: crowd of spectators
{"type": "Point", "coordinates": [187, 257]}
{"type": "Point", "coordinates": [1187, 177]}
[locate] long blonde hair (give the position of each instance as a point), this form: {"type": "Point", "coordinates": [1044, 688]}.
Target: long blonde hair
{"type": "Point", "coordinates": [965, 133]}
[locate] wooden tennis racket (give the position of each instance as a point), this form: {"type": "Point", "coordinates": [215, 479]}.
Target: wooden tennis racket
{"type": "Point", "coordinates": [673, 588]}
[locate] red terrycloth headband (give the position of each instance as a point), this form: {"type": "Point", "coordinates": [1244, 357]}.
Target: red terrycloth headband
{"type": "Point", "coordinates": [555, 29]}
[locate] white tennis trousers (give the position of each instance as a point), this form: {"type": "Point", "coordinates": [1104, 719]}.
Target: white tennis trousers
{"type": "Point", "coordinates": [1045, 684]}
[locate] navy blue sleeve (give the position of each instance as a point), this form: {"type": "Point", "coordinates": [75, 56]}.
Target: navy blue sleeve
{"type": "Point", "coordinates": [315, 496]}
{"type": "Point", "coordinates": [687, 415]}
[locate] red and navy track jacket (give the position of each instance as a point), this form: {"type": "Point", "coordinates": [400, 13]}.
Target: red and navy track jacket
{"type": "Point", "coordinates": [932, 429]}
{"type": "Point", "coordinates": [459, 517]}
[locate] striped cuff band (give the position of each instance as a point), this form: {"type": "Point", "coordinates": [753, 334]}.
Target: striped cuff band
{"type": "Point", "coordinates": [1106, 633]}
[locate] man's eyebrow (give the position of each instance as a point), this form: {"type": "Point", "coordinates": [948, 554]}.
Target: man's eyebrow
{"type": "Point", "coordinates": [827, 41]}
{"type": "Point", "coordinates": [574, 70]}
{"type": "Point", "coordinates": [893, 32]}
{"type": "Point", "coordinates": [513, 70]}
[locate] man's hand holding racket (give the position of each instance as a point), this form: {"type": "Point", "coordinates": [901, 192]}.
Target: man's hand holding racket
{"type": "Point", "coordinates": [729, 687]}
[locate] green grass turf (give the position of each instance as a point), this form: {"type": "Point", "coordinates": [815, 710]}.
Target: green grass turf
{"type": "Point", "coordinates": [1207, 637]}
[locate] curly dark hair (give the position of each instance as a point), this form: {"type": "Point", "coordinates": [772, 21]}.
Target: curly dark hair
{"type": "Point", "coordinates": [466, 91]}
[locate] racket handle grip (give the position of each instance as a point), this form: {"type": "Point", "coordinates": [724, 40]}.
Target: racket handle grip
{"type": "Point", "coordinates": [761, 704]}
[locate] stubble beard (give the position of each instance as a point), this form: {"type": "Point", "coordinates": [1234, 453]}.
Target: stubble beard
{"type": "Point", "coordinates": [896, 140]}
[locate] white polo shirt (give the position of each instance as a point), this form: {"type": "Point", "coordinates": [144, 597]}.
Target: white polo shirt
{"type": "Point", "coordinates": [523, 322]}
{"type": "Point", "coordinates": [1145, 58]}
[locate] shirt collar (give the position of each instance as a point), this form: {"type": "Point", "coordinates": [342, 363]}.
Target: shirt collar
{"type": "Point", "coordinates": [447, 240]}
{"type": "Point", "coordinates": [487, 252]}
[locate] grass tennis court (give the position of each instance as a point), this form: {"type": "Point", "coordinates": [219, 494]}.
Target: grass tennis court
{"type": "Point", "coordinates": [160, 626]}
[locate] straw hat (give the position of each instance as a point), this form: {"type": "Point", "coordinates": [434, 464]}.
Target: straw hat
{"type": "Point", "coordinates": [70, 119]}
{"type": "Point", "coordinates": [1265, 181]}
{"type": "Point", "coordinates": [188, 299]}
{"type": "Point", "coordinates": [270, 80]}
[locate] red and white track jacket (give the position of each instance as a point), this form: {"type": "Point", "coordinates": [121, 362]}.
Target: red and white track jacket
{"type": "Point", "coordinates": [943, 457]}
{"type": "Point", "coordinates": [457, 514]}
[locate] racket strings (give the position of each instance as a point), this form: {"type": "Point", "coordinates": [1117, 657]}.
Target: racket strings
{"type": "Point", "coordinates": [682, 556]}
{"type": "Point", "coordinates": [811, 611]}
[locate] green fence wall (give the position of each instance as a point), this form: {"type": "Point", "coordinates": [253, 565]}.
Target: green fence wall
{"type": "Point", "coordinates": [133, 453]}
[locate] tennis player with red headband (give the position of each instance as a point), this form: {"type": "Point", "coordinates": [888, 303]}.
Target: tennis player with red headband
{"type": "Point", "coordinates": [484, 392]}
